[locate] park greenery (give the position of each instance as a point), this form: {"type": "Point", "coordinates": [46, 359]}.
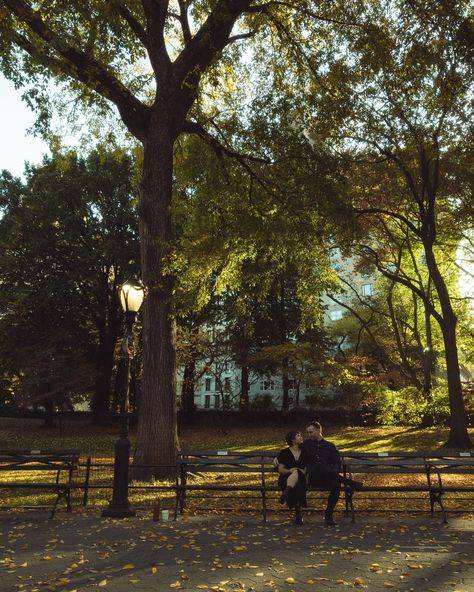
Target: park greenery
{"type": "Point", "coordinates": [253, 138]}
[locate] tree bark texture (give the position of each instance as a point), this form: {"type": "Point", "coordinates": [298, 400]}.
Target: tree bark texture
{"type": "Point", "coordinates": [458, 434]}
{"type": "Point", "coordinates": [157, 438]}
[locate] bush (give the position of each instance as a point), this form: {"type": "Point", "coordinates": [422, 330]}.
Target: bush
{"type": "Point", "coordinates": [437, 408]}
{"type": "Point", "coordinates": [407, 406]}
{"type": "Point", "coordinates": [262, 403]}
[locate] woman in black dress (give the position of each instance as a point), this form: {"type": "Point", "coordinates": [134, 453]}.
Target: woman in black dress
{"type": "Point", "coordinates": [292, 462]}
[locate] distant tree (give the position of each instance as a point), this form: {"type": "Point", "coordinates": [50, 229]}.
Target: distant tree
{"type": "Point", "coordinates": [69, 239]}
{"type": "Point", "coordinates": [405, 84]}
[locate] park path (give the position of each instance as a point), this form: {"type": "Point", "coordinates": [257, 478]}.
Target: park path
{"type": "Point", "coordinates": [81, 551]}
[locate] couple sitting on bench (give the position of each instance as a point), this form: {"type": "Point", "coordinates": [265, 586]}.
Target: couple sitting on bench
{"type": "Point", "coordinates": [317, 458]}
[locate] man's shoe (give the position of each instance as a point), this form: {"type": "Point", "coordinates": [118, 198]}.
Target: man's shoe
{"type": "Point", "coordinates": [329, 520]}
{"type": "Point", "coordinates": [298, 519]}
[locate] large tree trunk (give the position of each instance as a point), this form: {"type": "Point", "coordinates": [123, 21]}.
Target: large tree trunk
{"type": "Point", "coordinates": [157, 438]}
{"type": "Point", "coordinates": [458, 434]}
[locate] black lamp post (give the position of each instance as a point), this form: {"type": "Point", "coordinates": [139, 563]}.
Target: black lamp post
{"type": "Point", "coordinates": [131, 298]}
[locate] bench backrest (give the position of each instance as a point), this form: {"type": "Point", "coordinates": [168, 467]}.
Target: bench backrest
{"type": "Point", "coordinates": [38, 460]}
{"type": "Point", "coordinates": [227, 461]}
{"type": "Point", "coordinates": [355, 462]}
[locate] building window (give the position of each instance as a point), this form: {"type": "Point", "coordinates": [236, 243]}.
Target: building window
{"type": "Point", "coordinates": [208, 384]}
{"type": "Point", "coordinates": [335, 315]}
{"type": "Point", "coordinates": [367, 289]}
{"type": "Point", "coordinates": [207, 401]}
{"type": "Point", "coordinates": [225, 366]}
{"type": "Point", "coordinates": [267, 385]}
{"type": "Point", "coordinates": [216, 401]}
{"type": "Point", "coordinates": [227, 383]}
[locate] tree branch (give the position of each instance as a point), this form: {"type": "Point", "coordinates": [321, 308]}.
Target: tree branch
{"type": "Point", "coordinates": [80, 66]}
{"type": "Point", "coordinates": [133, 23]}
{"type": "Point", "coordinates": [410, 225]}
{"type": "Point", "coordinates": [183, 19]}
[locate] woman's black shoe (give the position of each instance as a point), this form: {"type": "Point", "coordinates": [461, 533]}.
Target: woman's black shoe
{"type": "Point", "coordinates": [298, 517]}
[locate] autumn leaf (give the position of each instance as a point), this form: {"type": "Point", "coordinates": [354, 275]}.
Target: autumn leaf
{"type": "Point", "coordinates": [388, 585]}
{"type": "Point", "coordinates": [290, 581]}
{"type": "Point", "coordinates": [102, 583]}
{"type": "Point", "coordinates": [128, 566]}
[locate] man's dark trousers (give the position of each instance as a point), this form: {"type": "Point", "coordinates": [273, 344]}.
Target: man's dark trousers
{"type": "Point", "coordinates": [322, 476]}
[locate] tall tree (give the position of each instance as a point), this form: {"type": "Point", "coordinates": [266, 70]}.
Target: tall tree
{"type": "Point", "coordinates": [149, 59]}
{"type": "Point", "coordinates": [405, 83]}
{"type": "Point", "coordinates": [69, 238]}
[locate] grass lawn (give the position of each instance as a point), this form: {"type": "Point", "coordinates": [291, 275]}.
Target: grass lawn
{"type": "Point", "coordinates": [99, 441]}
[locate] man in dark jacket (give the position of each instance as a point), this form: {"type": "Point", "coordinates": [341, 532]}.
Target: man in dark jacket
{"type": "Point", "coordinates": [324, 464]}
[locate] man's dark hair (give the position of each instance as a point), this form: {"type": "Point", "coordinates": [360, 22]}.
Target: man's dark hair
{"type": "Point", "coordinates": [315, 424]}
{"type": "Point", "coordinates": [290, 436]}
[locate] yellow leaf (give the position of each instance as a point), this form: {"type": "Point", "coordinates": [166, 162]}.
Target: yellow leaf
{"type": "Point", "coordinates": [154, 569]}
{"type": "Point", "coordinates": [175, 585]}
{"type": "Point", "coordinates": [339, 581]}
{"type": "Point", "coordinates": [359, 581]}
{"type": "Point", "coordinates": [46, 558]}
{"type": "Point", "coordinates": [415, 566]}
{"type": "Point", "coordinates": [102, 583]}
{"type": "Point", "coordinates": [128, 566]}
{"type": "Point", "coordinates": [290, 581]}
{"type": "Point", "coordinates": [240, 548]}
{"type": "Point", "coordinates": [388, 585]}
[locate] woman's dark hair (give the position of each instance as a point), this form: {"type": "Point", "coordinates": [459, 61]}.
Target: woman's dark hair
{"type": "Point", "coordinates": [290, 436]}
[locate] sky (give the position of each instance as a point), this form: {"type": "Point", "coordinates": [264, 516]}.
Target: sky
{"type": "Point", "coordinates": [16, 145]}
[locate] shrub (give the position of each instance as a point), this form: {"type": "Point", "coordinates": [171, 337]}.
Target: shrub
{"type": "Point", "coordinates": [407, 406]}
{"type": "Point", "coordinates": [262, 403]}
{"type": "Point", "coordinates": [437, 408]}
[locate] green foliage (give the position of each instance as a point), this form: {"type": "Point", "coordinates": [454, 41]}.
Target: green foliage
{"type": "Point", "coordinates": [69, 239]}
{"type": "Point", "coordinates": [406, 407]}
{"type": "Point", "coordinates": [437, 407]}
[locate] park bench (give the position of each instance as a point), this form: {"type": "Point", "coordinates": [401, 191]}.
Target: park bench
{"type": "Point", "coordinates": [430, 467]}
{"type": "Point", "coordinates": [424, 471]}
{"type": "Point", "coordinates": [50, 470]}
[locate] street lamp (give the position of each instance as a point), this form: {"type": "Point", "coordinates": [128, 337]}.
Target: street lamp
{"type": "Point", "coordinates": [131, 297]}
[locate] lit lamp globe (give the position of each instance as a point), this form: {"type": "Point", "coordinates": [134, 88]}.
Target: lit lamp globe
{"type": "Point", "coordinates": [131, 293]}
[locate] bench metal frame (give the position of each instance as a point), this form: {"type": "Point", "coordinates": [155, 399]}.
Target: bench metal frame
{"type": "Point", "coordinates": [431, 465]}
{"type": "Point", "coordinates": [62, 463]}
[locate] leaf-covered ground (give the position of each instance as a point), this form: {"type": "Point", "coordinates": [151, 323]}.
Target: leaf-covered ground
{"type": "Point", "coordinates": [82, 552]}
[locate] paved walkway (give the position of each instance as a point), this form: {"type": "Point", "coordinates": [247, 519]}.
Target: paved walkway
{"type": "Point", "coordinates": [81, 551]}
